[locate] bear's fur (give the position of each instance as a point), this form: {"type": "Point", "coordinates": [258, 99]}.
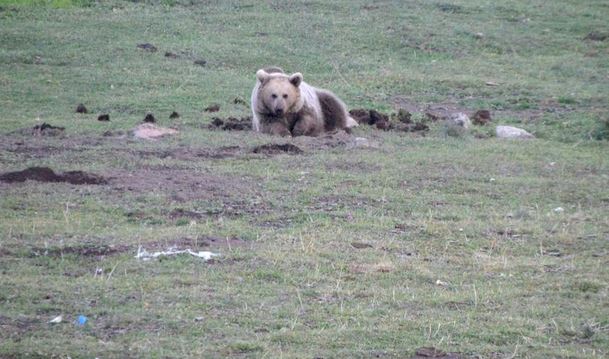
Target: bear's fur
{"type": "Point", "coordinates": [285, 105]}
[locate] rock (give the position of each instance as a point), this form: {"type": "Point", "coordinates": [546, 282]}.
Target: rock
{"type": "Point", "coordinates": [512, 132]}
{"type": "Point", "coordinates": [174, 115]}
{"type": "Point", "coordinates": [149, 131]}
{"type": "Point", "coordinates": [460, 119]}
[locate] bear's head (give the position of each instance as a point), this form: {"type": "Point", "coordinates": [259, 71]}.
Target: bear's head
{"type": "Point", "coordinates": [279, 94]}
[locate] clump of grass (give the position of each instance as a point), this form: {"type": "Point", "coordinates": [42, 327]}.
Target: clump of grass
{"type": "Point", "coordinates": [601, 132]}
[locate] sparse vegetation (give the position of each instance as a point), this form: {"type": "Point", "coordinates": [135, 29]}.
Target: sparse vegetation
{"type": "Point", "coordinates": [329, 248]}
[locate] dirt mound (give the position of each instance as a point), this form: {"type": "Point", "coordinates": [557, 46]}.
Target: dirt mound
{"type": "Point", "coordinates": [45, 174]}
{"type": "Point", "coordinates": [231, 124]}
{"type": "Point", "coordinates": [274, 149]}
{"type": "Point", "coordinates": [212, 108]}
{"type": "Point", "coordinates": [46, 129]}
{"type": "Point", "coordinates": [400, 121]}
{"type": "Point", "coordinates": [481, 117]}
{"type": "Point", "coordinates": [149, 118]}
{"type": "Point", "coordinates": [81, 109]}
{"type": "Point", "coordinates": [422, 353]}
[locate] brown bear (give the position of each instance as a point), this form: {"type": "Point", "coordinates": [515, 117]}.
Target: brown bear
{"type": "Point", "coordinates": [285, 105]}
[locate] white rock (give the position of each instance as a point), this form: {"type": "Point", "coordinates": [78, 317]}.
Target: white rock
{"type": "Point", "coordinates": [512, 132]}
{"type": "Point", "coordinates": [559, 209]}
{"type": "Point", "coordinates": [460, 119]}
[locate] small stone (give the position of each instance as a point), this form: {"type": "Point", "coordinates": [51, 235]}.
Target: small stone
{"type": "Point", "coordinates": [512, 132]}
{"type": "Point", "coordinates": [174, 115]}
{"type": "Point", "coordinates": [105, 117]}
{"type": "Point", "coordinates": [460, 119]}
{"type": "Point", "coordinates": [200, 62]}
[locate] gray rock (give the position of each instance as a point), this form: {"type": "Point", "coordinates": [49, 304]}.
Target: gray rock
{"type": "Point", "coordinates": [460, 119]}
{"type": "Point", "coordinates": [512, 132]}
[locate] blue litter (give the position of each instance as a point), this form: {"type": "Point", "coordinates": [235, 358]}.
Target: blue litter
{"type": "Point", "coordinates": [82, 320]}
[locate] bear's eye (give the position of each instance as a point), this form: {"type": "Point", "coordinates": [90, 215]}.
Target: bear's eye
{"type": "Point", "coordinates": [274, 95]}
{"type": "Point", "coordinates": [285, 95]}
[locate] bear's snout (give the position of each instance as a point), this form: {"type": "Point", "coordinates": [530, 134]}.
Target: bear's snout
{"type": "Point", "coordinates": [279, 111]}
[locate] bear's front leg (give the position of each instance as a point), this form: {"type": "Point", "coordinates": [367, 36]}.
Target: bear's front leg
{"type": "Point", "coordinates": [305, 126]}
{"type": "Point", "coordinates": [278, 128]}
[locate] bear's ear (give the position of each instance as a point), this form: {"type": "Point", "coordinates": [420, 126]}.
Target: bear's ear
{"type": "Point", "coordinates": [262, 75]}
{"type": "Point", "coordinates": [296, 79]}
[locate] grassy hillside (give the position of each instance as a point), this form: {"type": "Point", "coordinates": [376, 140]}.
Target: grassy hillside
{"type": "Point", "coordinates": [466, 243]}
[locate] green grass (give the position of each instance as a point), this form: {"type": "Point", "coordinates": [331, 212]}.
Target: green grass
{"type": "Point", "coordinates": [468, 252]}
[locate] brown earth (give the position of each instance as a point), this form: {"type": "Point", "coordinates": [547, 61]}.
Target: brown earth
{"type": "Point", "coordinates": [231, 124]}
{"type": "Point", "coordinates": [45, 174]}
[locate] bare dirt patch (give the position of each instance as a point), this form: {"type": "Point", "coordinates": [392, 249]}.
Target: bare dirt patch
{"type": "Point", "coordinates": [15, 328]}
{"type": "Point", "coordinates": [423, 353]}
{"type": "Point", "coordinates": [84, 250]}
{"type": "Point", "coordinates": [183, 185]}
{"type": "Point", "coordinates": [331, 140]}
{"type": "Point", "coordinates": [147, 47]}
{"type": "Point", "coordinates": [274, 149]}
{"type": "Point", "coordinates": [44, 129]}
{"type": "Point", "coordinates": [45, 174]}
{"type": "Point", "coordinates": [212, 108]}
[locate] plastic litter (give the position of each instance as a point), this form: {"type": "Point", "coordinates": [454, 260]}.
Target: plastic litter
{"type": "Point", "coordinates": [56, 320]}
{"type": "Point", "coordinates": [143, 254]}
{"type": "Point", "coordinates": [81, 320]}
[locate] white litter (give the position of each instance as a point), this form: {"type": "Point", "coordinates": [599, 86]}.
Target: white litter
{"type": "Point", "coordinates": [559, 209]}
{"type": "Point", "coordinates": [441, 283]}
{"type": "Point", "coordinates": [56, 320]}
{"type": "Point", "coordinates": [143, 254]}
